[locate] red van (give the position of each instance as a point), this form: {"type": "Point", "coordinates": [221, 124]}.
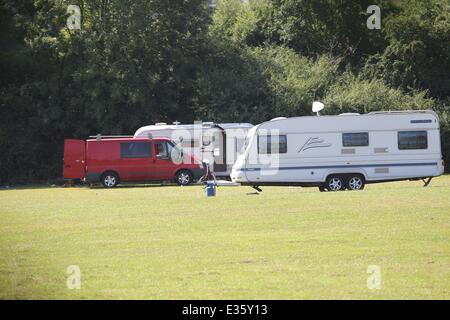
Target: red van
{"type": "Point", "coordinates": [114, 160]}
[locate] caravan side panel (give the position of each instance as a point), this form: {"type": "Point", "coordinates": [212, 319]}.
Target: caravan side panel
{"type": "Point", "coordinates": [316, 149]}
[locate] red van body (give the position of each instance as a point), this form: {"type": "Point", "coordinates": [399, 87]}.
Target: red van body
{"type": "Point", "coordinates": [111, 161]}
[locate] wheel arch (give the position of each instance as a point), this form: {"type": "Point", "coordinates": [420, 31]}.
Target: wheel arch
{"type": "Point", "coordinates": [183, 169]}
{"type": "Point", "coordinates": [345, 172]}
{"type": "Point", "coordinates": [110, 171]}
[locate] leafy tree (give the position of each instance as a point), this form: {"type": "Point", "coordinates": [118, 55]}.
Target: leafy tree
{"type": "Point", "coordinates": [138, 62]}
{"type": "Point", "coordinates": [131, 63]}
{"type": "Point", "coordinates": [309, 27]}
{"type": "Point", "coordinates": [418, 54]}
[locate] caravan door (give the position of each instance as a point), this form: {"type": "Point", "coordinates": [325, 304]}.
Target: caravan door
{"type": "Point", "coordinates": [213, 149]}
{"type": "Point", "coordinates": [74, 159]}
{"type": "Point", "coordinates": [219, 151]}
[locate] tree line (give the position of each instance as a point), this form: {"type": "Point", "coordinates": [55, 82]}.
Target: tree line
{"type": "Point", "coordinates": [132, 63]}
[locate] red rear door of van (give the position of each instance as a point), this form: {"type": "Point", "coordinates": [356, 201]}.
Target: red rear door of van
{"type": "Point", "coordinates": [74, 159]}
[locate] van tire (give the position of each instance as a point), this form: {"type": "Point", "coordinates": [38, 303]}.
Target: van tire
{"type": "Point", "coordinates": [355, 182]}
{"type": "Point", "coordinates": [335, 183]}
{"type": "Point", "coordinates": [184, 177]}
{"type": "Point", "coordinates": [109, 179]}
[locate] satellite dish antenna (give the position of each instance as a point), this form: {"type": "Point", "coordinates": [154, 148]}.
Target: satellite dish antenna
{"type": "Point", "coordinates": [317, 107]}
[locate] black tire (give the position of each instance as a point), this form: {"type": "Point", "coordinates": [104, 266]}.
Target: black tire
{"type": "Point", "coordinates": [355, 182]}
{"type": "Point", "coordinates": [184, 177]}
{"type": "Point", "coordinates": [335, 183]}
{"type": "Point", "coordinates": [110, 179]}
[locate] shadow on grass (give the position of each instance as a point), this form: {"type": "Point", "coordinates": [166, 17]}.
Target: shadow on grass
{"type": "Point", "coordinates": [127, 186]}
{"type": "Point", "coordinates": [389, 185]}
{"type": "Point", "coordinates": [99, 186]}
{"type": "Point", "coordinates": [30, 187]}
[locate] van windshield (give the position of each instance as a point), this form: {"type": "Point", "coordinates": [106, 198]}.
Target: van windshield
{"type": "Point", "coordinates": [175, 150]}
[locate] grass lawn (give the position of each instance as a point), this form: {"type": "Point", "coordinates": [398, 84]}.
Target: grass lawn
{"type": "Point", "coordinates": [154, 242]}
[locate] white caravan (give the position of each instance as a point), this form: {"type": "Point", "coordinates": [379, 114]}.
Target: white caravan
{"type": "Point", "coordinates": [342, 152]}
{"type": "Point", "coordinates": [219, 143]}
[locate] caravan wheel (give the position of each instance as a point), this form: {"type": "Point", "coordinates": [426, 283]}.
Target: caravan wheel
{"type": "Point", "coordinates": [335, 183]}
{"type": "Point", "coordinates": [355, 182]}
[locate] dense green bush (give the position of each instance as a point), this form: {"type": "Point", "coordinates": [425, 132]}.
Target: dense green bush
{"type": "Point", "coordinates": [294, 80]}
{"type": "Point", "coordinates": [444, 116]}
{"type": "Point", "coordinates": [352, 94]}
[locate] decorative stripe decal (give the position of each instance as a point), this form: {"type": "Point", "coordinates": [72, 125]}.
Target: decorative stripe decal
{"type": "Point", "coordinates": [346, 166]}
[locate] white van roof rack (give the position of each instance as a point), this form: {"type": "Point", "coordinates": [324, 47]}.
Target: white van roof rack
{"type": "Point", "coordinates": [100, 137]}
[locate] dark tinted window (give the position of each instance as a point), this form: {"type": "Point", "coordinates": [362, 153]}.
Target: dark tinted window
{"type": "Point", "coordinates": [272, 144]}
{"type": "Point", "coordinates": [355, 139]}
{"type": "Point", "coordinates": [412, 140]}
{"type": "Point", "coordinates": [162, 150]}
{"type": "Point", "coordinates": [135, 150]}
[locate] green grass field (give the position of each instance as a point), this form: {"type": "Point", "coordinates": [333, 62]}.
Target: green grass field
{"type": "Point", "coordinates": [154, 242]}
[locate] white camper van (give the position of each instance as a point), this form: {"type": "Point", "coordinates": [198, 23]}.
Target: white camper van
{"type": "Point", "coordinates": [219, 143]}
{"type": "Point", "coordinates": [342, 152]}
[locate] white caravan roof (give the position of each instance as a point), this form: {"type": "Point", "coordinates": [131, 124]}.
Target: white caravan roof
{"type": "Point", "coordinates": [164, 126]}
{"type": "Point", "coordinates": [380, 120]}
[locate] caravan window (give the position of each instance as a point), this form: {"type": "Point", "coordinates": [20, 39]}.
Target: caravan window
{"type": "Point", "coordinates": [272, 144]}
{"type": "Point", "coordinates": [355, 139]}
{"type": "Point", "coordinates": [135, 150]}
{"type": "Point", "coordinates": [408, 140]}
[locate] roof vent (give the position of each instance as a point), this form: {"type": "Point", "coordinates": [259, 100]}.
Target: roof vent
{"type": "Point", "coordinates": [350, 114]}
{"type": "Point", "coordinates": [160, 124]}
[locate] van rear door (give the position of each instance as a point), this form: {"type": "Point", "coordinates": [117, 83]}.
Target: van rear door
{"type": "Point", "coordinates": [74, 159]}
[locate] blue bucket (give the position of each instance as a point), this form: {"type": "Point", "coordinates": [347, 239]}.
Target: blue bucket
{"type": "Point", "coordinates": [210, 189]}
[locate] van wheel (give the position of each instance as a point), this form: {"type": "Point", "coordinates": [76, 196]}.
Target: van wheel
{"type": "Point", "coordinates": [110, 180]}
{"type": "Point", "coordinates": [335, 183]}
{"type": "Point", "coordinates": [355, 182]}
{"type": "Point", "coordinates": [184, 177]}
